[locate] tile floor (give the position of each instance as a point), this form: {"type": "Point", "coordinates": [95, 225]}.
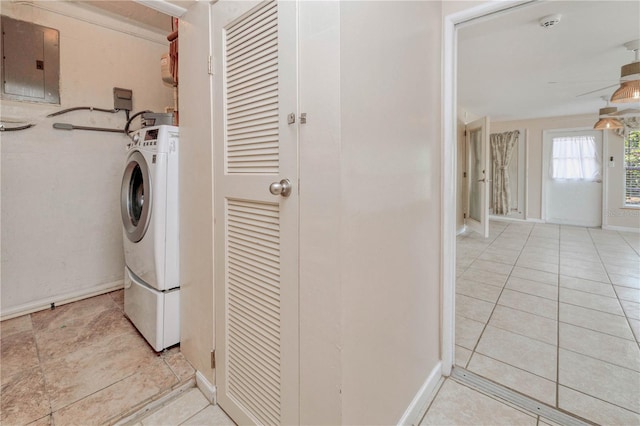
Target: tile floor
{"type": "Point", "coordinates": [457, 404]}
{"type": "Point", "coordinates": [553, 312]}
{"type": "Point", "coordinates": [191, 408]}
{"type": "Point", "coordinates": [81, 363]}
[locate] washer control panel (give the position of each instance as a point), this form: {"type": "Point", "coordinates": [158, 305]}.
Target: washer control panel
{"type": "Point", "coordinates": [155, 139]}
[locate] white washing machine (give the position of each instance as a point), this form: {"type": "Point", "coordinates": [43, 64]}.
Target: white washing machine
{"type": "Point", "coordinates": [149, 207]}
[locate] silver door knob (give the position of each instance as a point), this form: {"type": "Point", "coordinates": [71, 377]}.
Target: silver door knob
{"type": "Point", "coordinates": [282, 188]}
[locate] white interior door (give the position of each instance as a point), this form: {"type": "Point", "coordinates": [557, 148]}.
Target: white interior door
{"type": "Point", "coordinates": [573, 192]}
{"type": "Point", "coordinates": [477, 148]}
{"type": "Point", "coordinates": [255, 231]}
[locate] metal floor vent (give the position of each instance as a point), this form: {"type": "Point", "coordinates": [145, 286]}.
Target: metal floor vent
{"type": "Point", "coordinates": [490, 388]}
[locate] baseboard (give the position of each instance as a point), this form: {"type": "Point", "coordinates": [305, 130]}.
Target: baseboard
{"type": "Point", "coordinates": [620, 228]}
{"type": "Point", "coordinates": [206, 387]}
{"type": "Point", "coordinates": [461, 230]}
{"type": "Point", "coordinates": [535, 220]}
{"type": "Point", "coordinates": [418, 407]}
{"type": "Point", "coordinates": [45, 303]}
{"type": "Point", "coordinates": [505, 219]}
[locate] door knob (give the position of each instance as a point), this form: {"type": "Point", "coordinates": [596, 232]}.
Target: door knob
{"type": "Point", "coordinates": [281, 188]}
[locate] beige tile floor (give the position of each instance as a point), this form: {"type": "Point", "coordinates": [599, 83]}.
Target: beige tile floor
{"type": "Point", "coordinates": [82, 363]}
{"type": "Point", "coordinates": [191, 408]}
{"type": "Point", "coordinates": [553, 312]}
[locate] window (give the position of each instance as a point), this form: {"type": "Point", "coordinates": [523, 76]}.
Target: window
{"type": "Point", "coordinates": [632, 168]}
{"type": "Point", "coordinates": [575, 157]}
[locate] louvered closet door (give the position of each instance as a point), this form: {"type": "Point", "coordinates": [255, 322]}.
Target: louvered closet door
{"type": "Point", "coordinates": [256, 233]}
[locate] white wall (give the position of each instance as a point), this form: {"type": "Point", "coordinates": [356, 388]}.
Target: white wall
{"type": "Point", "coordinates": [61, 228]}
{"type": "Point", "coordinates": [390, 217]}
{"type": "Point", "coordinates": [614, 212]}
{"type": "Point", "coordinates": [196, 169]}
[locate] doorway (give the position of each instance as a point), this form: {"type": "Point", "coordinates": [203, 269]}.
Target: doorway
{"type": "Point", "coordinates": [546, 275]}
{"type": "Point", "coordinates": [573, 177]}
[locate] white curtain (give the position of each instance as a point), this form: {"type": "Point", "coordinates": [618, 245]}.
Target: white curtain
{"type": "Point", "coordinates": [502, 145]}
{"type": "Point", "coordinates": [575, 158]}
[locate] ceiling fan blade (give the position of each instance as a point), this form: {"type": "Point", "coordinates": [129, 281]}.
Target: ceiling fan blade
{"type": "Point", "coordinates": [597, 90]}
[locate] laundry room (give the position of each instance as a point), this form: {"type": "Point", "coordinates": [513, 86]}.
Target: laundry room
{"type": "Point", "coordinates": [61, 225]}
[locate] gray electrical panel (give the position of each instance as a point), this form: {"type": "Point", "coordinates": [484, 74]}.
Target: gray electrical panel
{"type": "Point", "coordinates": [30, 62]}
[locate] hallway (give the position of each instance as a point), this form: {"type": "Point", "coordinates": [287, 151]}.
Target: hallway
{"type": "Point", "coordinates": [553, 312]}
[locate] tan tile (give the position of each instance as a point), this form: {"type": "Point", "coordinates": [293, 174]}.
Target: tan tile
{"type": "Point", "coordinates": [631, 309]}
{"type": "Point", "coordinates": [570, 254]}
{"type": "Point", "coordinates": [151, 380]}
{"type": "Point", "coordinates": [24, 399]}
{"type": "Point", "coordinates": [604, 322]}
{"type": "Point", "coordinates": [539, 255]}
{"type": "Point", "coordinates": [602, 380]}
{"type": "Point", "coordinates": [519, 351]}
{"type": "Point", "coordinates": [462, 356]}
{"type": "Point", "coordinates": [508, 257]}
{"type": "Point", "coordinates": [178, 410]}
{"type": "Point", "coordinates": [78, 333]}
{"type": "Point", "coordinates": [635, 327]}
{"type": "Point", "coordinates": [475, 309]}
{"type": "Point", "coordinates": [514, 378]}
{"type": "Point", "coordinates": [529, 303]}
{"type": "Point", "coordinates": [581, 272]}
{"type": "Point", "coordinates": [627, 293]}
{"type": "Point", "coordinates": [486, 292]}
{"type": "Point", "coordinates": [526, 324]}
{"type": "Point", "coordinates": [62, 315]}
{"type": "Point", "coordinates": [18, 352]}
{"type": "Point", "coordinates": [533, 287]}
{"type": "Point", "coordinates": [15, 325]}
{"type": "Point", "coordinates": [456, 404]}
{"type": "Point", "coordinates": [93, 368]}
{"type": "Point", "coordinates": [179, 365]}
{"type": "Point", "coordinates": [588, 286]}
{"type": "Point", "coordinates": [591, 301]}
{"type": "Point", "coordinates": [614, 350]}
{"type": "Point", "coordinates": [538, 265]}
{"type": "Point", "coordinates": [118, 298]}
{"type": "Point", "coordinates": [495, 267]}
{"type": "Point", "coordinates": [44, 421]}
{"type": "Point", "coordinates": [535, 275]}
{"type": "Point", "coordinates": [212, 415]}
{"type": "Point", "coordinates": [594, 409]}
{"type": "Point", "coordinates": [547, 243]}
{"type": "Point", "coordinates": [625, 280]}
{"type": "Point", "coordinates": [486, 277]}
{"type": "Point", "coordinates": [622, 270]}
{"type": "Point", "coordinates": [467, 332]}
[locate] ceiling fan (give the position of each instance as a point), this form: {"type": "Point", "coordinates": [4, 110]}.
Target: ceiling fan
{"type": "Point", "coordinates": [628, 71]}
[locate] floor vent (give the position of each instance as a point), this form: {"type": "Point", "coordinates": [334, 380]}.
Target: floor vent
{"type": "Point", "coordinates": [536, 407]}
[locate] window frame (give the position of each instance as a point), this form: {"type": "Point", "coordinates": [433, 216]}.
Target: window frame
{"type": "Point", "coordinates": [625, 138]}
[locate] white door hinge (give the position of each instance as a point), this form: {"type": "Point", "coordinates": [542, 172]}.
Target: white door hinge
{"type": "Point", "coordinates": [210, 65]}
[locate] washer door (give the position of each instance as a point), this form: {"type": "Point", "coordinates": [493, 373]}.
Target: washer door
{"type": "Point", "coordinates": [135, 200]}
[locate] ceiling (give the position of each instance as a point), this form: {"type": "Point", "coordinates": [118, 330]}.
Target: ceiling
{"type": "Point", "coordinates": [509, 67]}
{"type": "Point", "coordinates": [134, 12]}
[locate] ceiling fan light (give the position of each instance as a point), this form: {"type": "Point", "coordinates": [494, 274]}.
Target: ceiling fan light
{"type": "Point", "coordinates": [608, 124]}
{"type": "Point", "coordinates": [629, 91]}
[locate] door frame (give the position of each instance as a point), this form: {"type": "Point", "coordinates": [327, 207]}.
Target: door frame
{"type": "Point", "coordinates": [480, 226]}
{"type": "Point", "coordinates": [545, 168]}
{"type": "Point", "coordinates": [449, 167]}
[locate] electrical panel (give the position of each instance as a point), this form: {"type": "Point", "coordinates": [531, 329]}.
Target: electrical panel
{"type": "Point", "coordinates": [30, 62]}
